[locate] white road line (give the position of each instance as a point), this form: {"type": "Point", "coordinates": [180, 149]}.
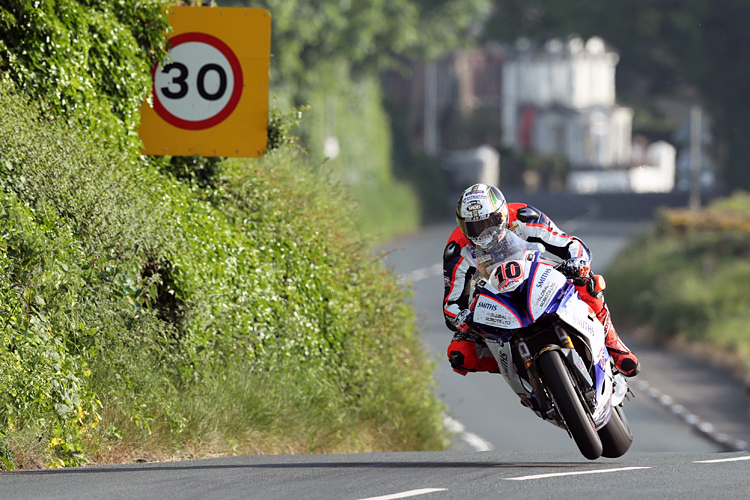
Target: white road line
{"type": "Point", "coordinates": [422, 274]}
{"type": "Point", "coordinates": [456, 427]}
{"type": "Point", "coordinates": [707, 429]}
{"type": "Point", "coordinates": [578, 473]}
{"type": "Point", "coordinates": [453, 425]}
{"type": "Point", "coordinates": [735, 459]}
{"type": "Point", "coordinates": [405, 494]}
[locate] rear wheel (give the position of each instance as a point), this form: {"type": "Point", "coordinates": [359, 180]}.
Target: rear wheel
{"type": "Point", "coordinates": [616, 436]}
{"type": "Point", "coordinates": [557, 380]}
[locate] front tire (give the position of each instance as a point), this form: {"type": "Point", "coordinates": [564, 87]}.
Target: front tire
{"type": "Point", "coordinates": [559, 384]}
{"type": "Point", "coordinates": [616, 436]}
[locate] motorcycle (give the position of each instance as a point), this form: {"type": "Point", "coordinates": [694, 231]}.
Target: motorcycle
{"type": "Point", "coordinates": [549, 345]}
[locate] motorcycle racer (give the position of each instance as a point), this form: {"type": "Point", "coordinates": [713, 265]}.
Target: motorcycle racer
{"type": "Point", "coordinates": [483, 216]}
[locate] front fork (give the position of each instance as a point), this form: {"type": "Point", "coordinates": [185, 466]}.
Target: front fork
{"type": "Point", "coordinates": [585, 385]}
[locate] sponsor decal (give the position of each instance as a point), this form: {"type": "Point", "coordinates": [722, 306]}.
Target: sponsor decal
{"type": "Point", "coordinates": [504, 362]}
{"type": "Point", "coordinates": [501, 320]}
{"type": "Point", "coordinates": [584, 325]}
{"type": "Point", "coordinates": [487, 305]}
{"type": "Point", "coordinates": [474, 207]}
{"type": "Point", "coordinates": [546, 294]}
{"type": "Point", "coordinates": [543, 277]}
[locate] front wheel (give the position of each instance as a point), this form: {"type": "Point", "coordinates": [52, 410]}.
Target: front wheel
{"type": "Point", "coordinates": [616, 436]}
{"type": "Point", "coordinates": [559, 384]}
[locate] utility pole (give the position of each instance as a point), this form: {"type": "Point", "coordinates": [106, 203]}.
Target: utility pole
{"type": "Point", "coordinates": [431, 134]}
{"type": "Point", "coordinates": [696, 149]}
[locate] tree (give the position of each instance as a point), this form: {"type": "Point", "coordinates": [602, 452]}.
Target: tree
{"type": "Point", "coordinates": [663, 44]}
{"type": "Point", "coordinates": [309, 37]}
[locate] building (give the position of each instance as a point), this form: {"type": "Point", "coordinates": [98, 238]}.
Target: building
{"type": "Point", "coordinates": [440, 98]}
{"type": "Point", "coordinates": [561, 100]}
{"type": "Point", "coordinates": [557, 100]}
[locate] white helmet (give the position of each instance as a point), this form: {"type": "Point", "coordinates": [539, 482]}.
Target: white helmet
{"type": "Point", "coordinates": [482, 214]}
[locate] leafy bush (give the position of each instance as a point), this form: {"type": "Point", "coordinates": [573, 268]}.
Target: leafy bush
{"type": "Point", "coordinates": [89, 60]}
{"type": "Point", "coordinates": [146, 302]}
{"type": "Point", "coordinates": [352, 111]}
{"type": "Point", "coordinates": [689, 276]}
{"type": "Point", "coordinates": [144, 313]}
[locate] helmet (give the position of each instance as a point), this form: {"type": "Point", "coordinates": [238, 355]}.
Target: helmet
{"type": "Point", "coordinates": [482, 214]}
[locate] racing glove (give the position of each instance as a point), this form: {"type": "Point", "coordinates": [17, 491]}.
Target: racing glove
{"type": "Point", "coordinates": [577, 269]}
{"type": "Point", "coordinates": [464, 321]}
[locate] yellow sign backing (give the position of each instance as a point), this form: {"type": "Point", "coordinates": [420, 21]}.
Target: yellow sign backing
{"type": "Point", "coordinates": [210, 96]}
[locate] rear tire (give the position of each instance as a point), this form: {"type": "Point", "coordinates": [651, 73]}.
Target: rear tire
{"type": "Point", "coordinates": [616, 436]}
{"type": "Point", "coordinates": [557, 380]}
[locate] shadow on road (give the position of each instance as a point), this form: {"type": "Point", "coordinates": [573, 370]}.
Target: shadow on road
{"type": "Point", "coordinates": [202, 465]}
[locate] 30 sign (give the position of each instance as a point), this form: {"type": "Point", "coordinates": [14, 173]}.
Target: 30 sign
{"type": "Point", "coordinates": [210, 95]}
{"type": "Point", "coordinates": [201, 85]}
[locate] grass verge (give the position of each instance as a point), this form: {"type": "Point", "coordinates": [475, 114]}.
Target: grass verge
{"type": "Point", "coordinates": [688, 279]}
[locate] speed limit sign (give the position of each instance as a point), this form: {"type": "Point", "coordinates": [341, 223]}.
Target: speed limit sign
{"type": "Point", "coordinates": [210, 94]}
{"type": "Point", "coordinates": [201, 85]}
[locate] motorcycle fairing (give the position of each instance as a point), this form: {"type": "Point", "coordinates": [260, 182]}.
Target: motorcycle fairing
{"type": "Point", "coordinates": [577, 314]}
{"type": "Point", "coordinates": [520, 307]}
{"type": "Point", "coordinates": [546, 291]}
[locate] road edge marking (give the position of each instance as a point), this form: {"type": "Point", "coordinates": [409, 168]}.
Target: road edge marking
{"type": "Point", "coordinates": [405, 494]}
{"type": "Point", "coordinates": [421, 274]}
{"type": "Point", "coordinates": [473, 440]}
{"type": "Point", "coordinates": [735, 459]}
{"type": "Point", "coordinates": [707, 429]}
{"type": "Point", "coordinates": [575, 473]}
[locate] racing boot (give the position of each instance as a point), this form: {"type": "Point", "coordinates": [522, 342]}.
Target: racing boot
{"type": "Point", "coordinates": [625, 361]}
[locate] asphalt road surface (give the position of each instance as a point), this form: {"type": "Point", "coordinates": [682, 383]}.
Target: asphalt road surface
{"type": "Point", "coordinates": [384, 476]}
{"type": "Point", "coordinates": [685, 417]}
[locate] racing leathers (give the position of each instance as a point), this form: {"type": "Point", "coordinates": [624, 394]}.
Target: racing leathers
{"type": "Point", "coordinates": [467, 351]}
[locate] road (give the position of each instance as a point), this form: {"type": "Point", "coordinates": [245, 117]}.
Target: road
{"type": "Point", "coordinates": [680, 405]}
{"type": "Point", "coordinates": [450, 475]}
{"type": "Point", "coordinates": [685, 414]}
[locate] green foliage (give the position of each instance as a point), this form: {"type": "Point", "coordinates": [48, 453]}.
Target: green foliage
{"type": "Point", "coordinates": [146, 302]}
{"type": "Point", "coordinates": [327, 53]}
{"type": "Point", "coordinates": [88, 60]}
{"type": "Point", "coordinates": [418, 170]}
{"type": "Point", "coordinates": [280, 125]}
{"type": "Point", "coordinates": [199, 170]}
{"type": "Point", "coordinates": [131, 301]}
{"type": "Point", "coordinates": [310, 38]}
{"type": "Point", "coordinates": [689, 282]}
{"type": "Point", "coordinates": [383, 205]}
